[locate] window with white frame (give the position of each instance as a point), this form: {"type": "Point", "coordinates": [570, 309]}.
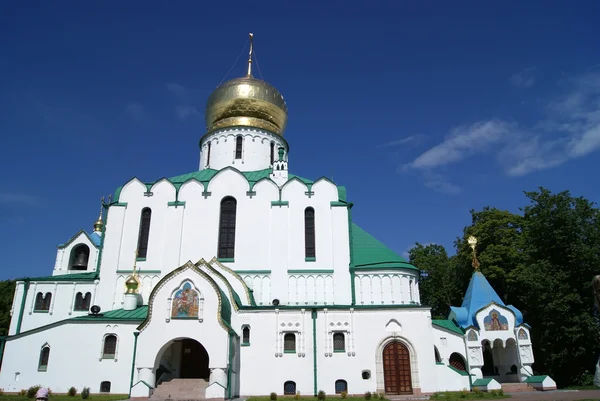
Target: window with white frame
{"type": "Point", "coordinates": [289, 343]}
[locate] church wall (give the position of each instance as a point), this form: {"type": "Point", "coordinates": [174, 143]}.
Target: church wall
{"type": "Point", "coordinates": [447, 343]}
{"type": "Point", "coordinates": [386, 287]}
{"type": "Point", "coordinates": [256, 149]}
{"type": "Point", "coordinates": [506, 321]}
{"type": "Point", "coordinates": [66, 366]}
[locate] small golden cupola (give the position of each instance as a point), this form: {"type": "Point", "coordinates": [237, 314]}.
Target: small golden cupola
{"type": "Point", "coordinates": [99, 224]}
{"type": "Point", "coordinates": [246, 102]}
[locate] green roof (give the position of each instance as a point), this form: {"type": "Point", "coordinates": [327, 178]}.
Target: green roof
{"type": "Point", "coordinates": [482, 382]}
{"type": "Point", "coordinates": [225, 307]}
{"type": "Point", "coordinates": [65, 277]}
{"type": "Point", "coordinates": [119, 314]}
{"type": "Point", "coordinates": [448, 325]}
{"type": "Point", "coordinates": [460, 372]}
{"type": "Point", "coordinates": [536, 379]}
{"type": "Point", "coordinates": [370, 253]}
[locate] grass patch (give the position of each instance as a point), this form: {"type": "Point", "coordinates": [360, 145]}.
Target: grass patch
{"type": "Point", "coordinates": [311, 397]}
{"type": "Point", "coordinates": [65, 397]}
{"type": "Point", "coordinates": [469, 395]}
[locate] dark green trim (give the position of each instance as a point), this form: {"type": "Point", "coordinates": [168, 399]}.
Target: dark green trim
{"type": "Point", "coordinates": [313, 259]}
{"type": "Point", "coordinates": [230, 366]}
{"type": "Point", "coordinates": [460, 372]}
{"type": "Point", "coordinates": [338, 204]}
{"type": "Point", "coordinates": [140, 259]}
{"type": "Point", "coordinates": [139, 271]}
{"type": "Point", "coordinates": [289, 351]}
{"type": "Point", "coordinates": [314, 333]}
{"type": "Point", "coordinates": [184, 318]}
{"type": "Point", "coordinates": [339, 351]}
{"type": "Point", "coordinates": [536, 379]}
{"type": "Point", "coordinates": [176, 203]}
{"type": "Point", "coordinates": [253, 271]}
{"type": "Point", "coordinates": [280, 203]}
{"type": "Point", "coordinates": [439, 363]}
{"type": "Point", "coordinates": [135, 335]}
{"type": "Point", "coordinates": [41, 311]}
{"type": "Point", "coordinates": [244, 344]}
{"type": "Point", "coordinates": [119, 204]}
{"type": "Point", "coordinates": [22, 308]}
{"type": "Point", "coordinates": [226, 260]}
{"type": "Point", "coordinates": [351, 243]}
{"type": "Point", "coordinates": [308, 271]}
{"type": "Point", "coordinates": [42, 368]}
{"type": "Point", "coordinates": [2, 342]}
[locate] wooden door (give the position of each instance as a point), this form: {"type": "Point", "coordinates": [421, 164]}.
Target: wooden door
{"type": "Point", "coordinates": [396, 369]}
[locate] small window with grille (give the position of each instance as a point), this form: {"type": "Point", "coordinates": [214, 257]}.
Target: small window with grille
{"type": "Point", "coordinates": [246, 335]}
{"type": "Point", "coordinates": [110, 347]}
{"type": "Point", "coordinates": [44, 357]}
{"type": "Point", "coordinates": [238, 147]}
{"type": "Point", "coordinates": [105, 387]}
{"type": "Point", "coordinates": [341, 386]}
{"type": "Point", "coordinates": [289, 343]}
{"type": "Point", "coordinates": [289, 388]}
{"type": "Point", "coordinates": [339, 342]}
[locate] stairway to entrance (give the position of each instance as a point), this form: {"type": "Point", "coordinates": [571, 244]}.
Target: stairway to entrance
{"type": "Point", "coordinates": [516, 387]}
{"type": "Point", "coordinates": [180, 390]}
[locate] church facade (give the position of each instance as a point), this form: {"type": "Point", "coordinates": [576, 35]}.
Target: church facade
{"type": "Point", "coordinates": [248, 279]}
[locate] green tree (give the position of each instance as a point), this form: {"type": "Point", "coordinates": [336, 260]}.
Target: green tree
{"type": "Point", "coordinates": [7, 291]}
{"type": "Point", "coordinates": [440, 287]}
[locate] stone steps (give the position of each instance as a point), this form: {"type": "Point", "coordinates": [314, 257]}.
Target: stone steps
{"type": "Point", "coordinates": [180, 390]}
{"type": "Point", "coordinates": [516, 387]}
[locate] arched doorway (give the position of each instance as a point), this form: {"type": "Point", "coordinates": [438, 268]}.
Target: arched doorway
{"type": "Point", "coordinates": [396, 369]}
{"type": "Point", "coordinates": [183, 358]}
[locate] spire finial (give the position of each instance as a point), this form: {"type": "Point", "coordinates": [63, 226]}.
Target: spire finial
{"type": "Point", "coordinates": [132, 282]}
{"type": "Point", "coordinates": [133, 273]}
{"type": "Point", "coordinates": [99, 224]}
{"type": "Point", "coordinates": [250, 54]}
{"type": "Point", "coordinates": [473, 243]}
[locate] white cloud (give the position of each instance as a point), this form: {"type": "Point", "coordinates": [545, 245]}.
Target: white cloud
{"type": "Point", "coordinates": [524, 78]}
{"type": "Point", "coordinates": [403, 141]}
{"type": "Point", "coordinates": [18, 198]}
{"type": "Point", "coordinates": [184, 112]}
{"type": "Point", "coordinates": [570, 130]}
{"type": "Point", "coordinates": [135, 109]}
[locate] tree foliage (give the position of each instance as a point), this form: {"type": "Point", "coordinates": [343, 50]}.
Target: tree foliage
{"type": "Point", "coordinates": [7, 291]}
{"type": "Point", "coordinates": [542, 261]}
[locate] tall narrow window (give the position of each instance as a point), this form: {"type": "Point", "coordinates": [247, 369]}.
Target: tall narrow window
{"type": "Point", "coordinates": [339, 342]}
{"type": "Point", "coordinates": [44, 356]}
{"type": "Point", "coordinates": [238, 147]}
{"type": "Point", "coordinates": [246, 335]}
{"type": "Point", "coordinates": [208, 155]}
{"type": "Point", "coordinates": [42, 302]}
{"type": "Point", "coordinates": [227, 229]}
{"type": "Point", "coordinates": [309, 232]}
{"type": "Point", "coordinates": [144, 234]}
{"type": "Point", "coordinates": [82, 302]}
{"type": "Point", "coordinates": [109, 349]}
{"type": "Point", "coordinates": [289, 343]}
{"type": "Point", "coordinates": [272, 152]}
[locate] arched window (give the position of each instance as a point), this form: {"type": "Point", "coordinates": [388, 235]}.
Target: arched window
{"type": "Point", "coordinates": [289, 343]}
{"type": "Point", "coordinates": [208, 155]}
{"type": "Point", "coordinates": [44, 357]}
{"type": "Point", "coordinates": [105, 387]}
{"type": "Point", "coordinates": [309, 232]}
{"type": "Point", "coordinates": [142, 249]}
{"type": "Point", "coordinates": [341, 386]}
{"type": "Point", "coordinates": [339, 342]}
{"type": "Point", "coordinates": [82, 302]}
{"type": "Point", "coordinates": [246, 335]}
{"type": "Point", "coordinates": [80, 255]}
{"type": "Point", "coordinates": [457, 361]}
{"type": "Point", "coordinates": [109, 350]}
{"type": "Point", "coordinates": [227, 229]}
{"type": "Point", "coordinates": [272, 152]}
{"type": "Point", "coordinates": [42, 302]}
{"type": "Point", "coordinates": [438, 358]}
{"type": "Point", "coordinates": [289, 388]}
{"type": "Point", "coordinates": [238, 147]}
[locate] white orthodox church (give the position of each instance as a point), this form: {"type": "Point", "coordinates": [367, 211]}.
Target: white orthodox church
{"type": "Point", "coordinates": [243, 279]}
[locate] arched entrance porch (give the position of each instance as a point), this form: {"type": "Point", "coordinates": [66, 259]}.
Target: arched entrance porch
{"type": "Point", "coordinates": [500, 360]}
{"type": "Point", "coordinates": [182, 358]}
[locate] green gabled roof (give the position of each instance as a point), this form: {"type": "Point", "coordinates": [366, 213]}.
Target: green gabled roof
{"type": "Point", "coordinates": [137, 314]}
{"type": "Point", "coordinates": [65, 277]}
{"type": "Point", "coordinates": [370, 253]}
{"type": "Point", "coordinates": [482, 382]}
{"type": "Point", "coordinates": [536, 379]}
{"type": "Point", "coordinates": [225, 307]}
{"type": "Point", "coordinates": [448, 325]}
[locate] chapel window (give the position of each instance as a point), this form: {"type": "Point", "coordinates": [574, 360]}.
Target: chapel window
{"type": "Point", "coordinates": [339, 342]}
{"type": "Point", "coordinates": [246, 335]}
{"type": "Point", "coordinates": [42, 302]}
{"type": "Point", "coordinates": [226, 248]}
{"type": "Point", "coordinates": [44, 357]}
{"type": "Point", "coordinates": [289, 343]}
{"type": "Point", "coordinates": [272, 152]}
{"type": "Point", "coordinates": [309, 232]}
{"type": "Point", "coordinates": [109, 349]}
{"type": "Point", "coordinates": [80, 255]}
{"type": "Point", "coordinates": [82, 302]}
{"type": "Point", "coordinates": [144, 234]}
{"type": "Point", "coordinates": [289, 388]}
{"type": "Point", "coordinates": [341, 386]}
{"type": "Point", "coordinates": [238, 147]}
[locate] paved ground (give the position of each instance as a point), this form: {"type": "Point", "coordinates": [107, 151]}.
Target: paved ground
{"type": "Point", "coordinates": [559, 395]}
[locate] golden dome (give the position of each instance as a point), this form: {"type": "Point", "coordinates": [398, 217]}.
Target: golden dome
{"type": "Point", "coordinates": [246, 102]}
{"type": "Point", "coordinates": [131, 284]}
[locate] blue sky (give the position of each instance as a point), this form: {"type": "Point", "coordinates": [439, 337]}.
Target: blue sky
{"type": "Point", "coordinates": [422, 110]}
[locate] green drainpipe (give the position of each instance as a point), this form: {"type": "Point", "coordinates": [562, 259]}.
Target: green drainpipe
{"type": "Point", "coordinates": [135, 335]}
{"type": "Point", "coordinates": [2, 342]}
{"type": "Point", "coordinates": [230, 365]}
{"type": "Point", "coordinates": [22, 309]}
{"type": "Point", "coordinates": [314, 320]}
{"type": "Point", "coordinates": [351, 243]}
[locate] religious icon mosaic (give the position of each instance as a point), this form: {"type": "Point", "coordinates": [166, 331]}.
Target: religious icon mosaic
{"type": "Point", "coordinates": [495, 321]}
{"type": "Point", "coordinates": [185, 302]}
{"type": "Point", "coordinates": [472, 336]}
{"type": "Point", "coordinates": [523, 335]}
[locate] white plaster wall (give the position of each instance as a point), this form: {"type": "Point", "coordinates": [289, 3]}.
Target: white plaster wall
{"type": "Point", "coordinates": [386, 287]}
{"type": "Point", "coordinates": [63, 256]}
{"type": "Point", "coordinates": [450, 380]}
{"type": "Point", "coordinates": [447, 343]}
{"type": "Point", "coordinates": [65, 368]}
{"type": "Point", "coordinates": [256, 149]}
